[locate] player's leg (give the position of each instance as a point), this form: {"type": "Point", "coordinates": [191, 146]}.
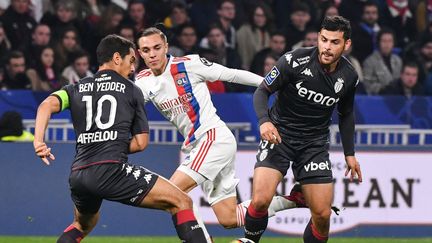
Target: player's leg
{"type": "Point", "coordinates": [80, 227]}
{"type": "Point", "coordinates": [166, 196]}
{"type": "Point", "coordinates": [265, 181]}
{"type": "Point", "coordinates": [271, 166]}
{"type": "Point", "coordinates": [87, 205]}
{"type": "Point", "coordinates": [319, 198]}
{"type": "Point", "coordinates": [314, 173]}
{"type": "Point", "coordinates": [186, 183]}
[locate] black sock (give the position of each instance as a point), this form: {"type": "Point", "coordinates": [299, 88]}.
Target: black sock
{"type": "Point", "coordinates": [71, 235]}
{"type": "Point", "coordinates": [255, 224]}
{"type": "Point", "coordinates": [187, 227]}
{"type": "Point", "coordinates": [311, 235]}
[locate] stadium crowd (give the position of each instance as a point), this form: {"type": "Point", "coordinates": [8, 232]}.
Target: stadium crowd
{"type": "Point", "coordinates": [46, 44]}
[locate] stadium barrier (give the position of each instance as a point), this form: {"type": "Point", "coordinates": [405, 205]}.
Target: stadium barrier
{"type": "Point", "coordinates": [163, 132]}
{"type": "Point", "coordinates": [393, 200]}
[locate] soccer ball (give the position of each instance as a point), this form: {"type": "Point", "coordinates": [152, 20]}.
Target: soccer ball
{"type": "Point", "coordinates": [242, 240]}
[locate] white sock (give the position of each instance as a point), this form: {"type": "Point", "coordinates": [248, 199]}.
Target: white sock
{"type": "Point", "coordinates": [280, 203]}
{"type": "Point", "coordinates": [201, 223]}
{"type": "Point", "coordinates": [241, 212]}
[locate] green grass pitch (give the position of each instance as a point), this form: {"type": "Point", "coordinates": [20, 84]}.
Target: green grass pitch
{"type": "Point", "coordinates": [117, 239]}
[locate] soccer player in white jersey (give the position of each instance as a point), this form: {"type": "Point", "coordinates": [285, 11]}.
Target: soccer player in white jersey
{"type": "Point", "coordinates": [177, 87]}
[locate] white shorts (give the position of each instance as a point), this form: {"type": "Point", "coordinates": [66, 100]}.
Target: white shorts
{"type": "Point", "coordinates": [210, 163]}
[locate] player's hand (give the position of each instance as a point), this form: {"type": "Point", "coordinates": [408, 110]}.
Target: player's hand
{"type": "Point", "coordinates": [269, 132]}
{"type": "Point", "coordinates": [42, 150]}
{"type": "Point", "coordinates": [353, 166]}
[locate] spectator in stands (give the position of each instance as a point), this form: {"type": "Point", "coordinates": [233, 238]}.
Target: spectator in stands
{"type": "Point", "coordinates": [18, 24]}
{"type": "Point", "coordinates": [137, 15]}
{"type": "Point", "coordinates": [44, 75]}
{"type": "Point", "coordinates": [425, 57]}
{"type": "Point", "coordinates": [64, 18]}
{"type": "Point", "coordinates": [254, 35]}
{"type": "Point", "coordinates": [364, 33]}
{"type": "Point", "coordinates": [421, 53]}
{"type": "Point", "coordinates": [397, 15]}
{"type": "Point", "coordinates": [65, 49]}
{"type": "Point", "coordinates": [178, 15]}
{"type": "Point", "coordinates": [12, 129]}
{"type": "Point", "coordinates": [226, 55]}
{"type": "Point", "coordinates": [330, 10]}
{"type": "Point", "coordinates": [186, 41]}
{"type": "Point", "coordinates": [407, 85]}
{"type": "Point", "coordinates": [90, 11]}
{"type": "Point", "coordinates": [310, 39]}
{"type": "Point", "coordinates": [80, 68]}
{"type": "Point", "coordinates": [296, 29]}
{"type": "Point", "coordinates": [109, 21]}
{"type": "Point", "coordinates": [276, 47]}
{"type": "Point", "coordinates": [5, 46]}
{"type": "Point", "coordinates": [41, 37]}
{"type": "Point", "coordinates": [269, 63]}
{"type": "Point", "coordinates": [14, 76]}
{"type": "Point", "coordinates": [127, 31]}
{"type": "Point", "coordinates": [382, 66]}
{"type": "Point", "coordinates": [227, 11]}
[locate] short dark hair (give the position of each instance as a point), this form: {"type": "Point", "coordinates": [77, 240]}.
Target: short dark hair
{"type": "Point", "coordinates": [411, 64]}
{"type": "Point", "coordinates": [15, 54]}
{"type": "Point", "coordinates": [154, 31]}
{"type": "Point", "coordinates": [337, 23]}
{"type": "Point", "coordinates": [221, 2]}
{"type": "Point", "coordinates": [383, 31]}
{"type": "Point", "coordinates": [110, 45]}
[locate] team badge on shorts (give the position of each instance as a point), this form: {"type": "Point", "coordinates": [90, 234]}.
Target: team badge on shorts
{"type": "Point", "coordinates": [263, 154]}
{"type": "Point", "coordinates": [272, 75]}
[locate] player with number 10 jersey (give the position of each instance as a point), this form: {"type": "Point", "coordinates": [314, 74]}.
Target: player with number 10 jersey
{"type": "Point", "coordinates": [116, 116]}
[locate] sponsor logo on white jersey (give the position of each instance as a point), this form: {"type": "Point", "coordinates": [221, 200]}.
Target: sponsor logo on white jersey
{"type": "Point", "coordinates": [312, 166]}
{"type": "Point", "coordinates": [315, 96]}
{"type": "Point", "coordinates": [307, 72]}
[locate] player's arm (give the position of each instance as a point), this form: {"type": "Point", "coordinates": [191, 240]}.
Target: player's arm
{"type": "Point", "coordinates": [273, 81]}
{"type": "Point", "coordinates": [138, 142]}
{"type": "Point", "coordinates": [346, 128]}
{"type": "Point", "coordinates": [52, 104]}
{"type": "Point", "coordinates": [213, 71]}
{"type": "Point", "coordinates": [140, 127]}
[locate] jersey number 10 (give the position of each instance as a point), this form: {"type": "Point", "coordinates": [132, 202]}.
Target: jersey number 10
{"type": "Point", "coordinates": [89, 111]}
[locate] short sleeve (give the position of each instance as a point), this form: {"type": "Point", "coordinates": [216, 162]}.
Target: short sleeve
{"type": "Point", "coordinates": [279, 74]}
{"type": "Point", "coordinates": [140, 122]}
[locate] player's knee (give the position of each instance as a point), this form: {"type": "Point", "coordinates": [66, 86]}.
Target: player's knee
{"type": "Point", "coordinates": [228, 223]}
{"type": "Point", "coordinates": [260, 203]}
{"type": "Point", "coordinates": [181, 201]}
{"type": "Point", "coordinates": [321, 215]}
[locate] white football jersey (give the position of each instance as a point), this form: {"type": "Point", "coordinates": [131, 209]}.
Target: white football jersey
{"type": "Point", "coordinates": [180, 93]}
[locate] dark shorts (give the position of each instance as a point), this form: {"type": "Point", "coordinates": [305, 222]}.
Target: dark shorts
{"type": "Point", "coordinates": [120, 182]}
{"type": "Point", "coordinates": [310, 159]}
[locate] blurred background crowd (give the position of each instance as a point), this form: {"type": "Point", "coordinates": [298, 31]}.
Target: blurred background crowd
{"type": "Point", "coordinates": [45, 44]}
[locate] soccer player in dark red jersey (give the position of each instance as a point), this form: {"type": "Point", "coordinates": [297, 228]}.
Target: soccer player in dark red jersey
{"type": "Point", "coordinates": [110, 122]}
{"type": "Point", "coordinates": [309, 82]}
